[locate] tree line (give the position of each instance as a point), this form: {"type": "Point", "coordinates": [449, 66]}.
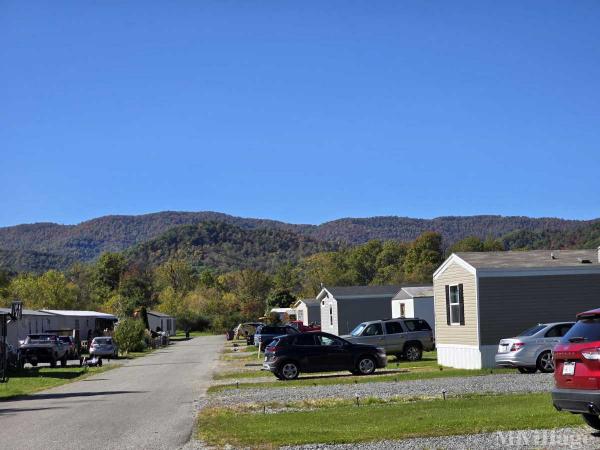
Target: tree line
{"type": "Point", "coordinates": [203, 299]}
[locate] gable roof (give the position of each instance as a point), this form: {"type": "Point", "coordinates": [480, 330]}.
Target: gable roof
{"type": "Point", "coordinates": [159, 314]}
{"type": "Point", "coordinates": [306, 301]}
{"type": "Point", "coordinates": [415, 292]}
{"type": "Point", "coordinates": [531, 260]}
{"type": "Point", "coordinates": [74, 313]}
{"type": "Point", "coordinates": [344, 292]}
{"type": "Point", "coordinates": [26, 312]}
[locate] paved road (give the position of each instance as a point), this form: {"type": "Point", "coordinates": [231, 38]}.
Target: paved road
{"type": "Point", "coordinates": [149, 403]}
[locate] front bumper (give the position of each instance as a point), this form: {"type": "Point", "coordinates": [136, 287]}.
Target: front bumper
{"type": "Point", "coordinates": [580, 401]}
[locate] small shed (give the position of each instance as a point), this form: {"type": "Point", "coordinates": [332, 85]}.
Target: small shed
{"type": "Point", "coordinates": [414, 301]}
{"type": "Point", "coordinates": [342, 308]}
{"type": "Point", "coordinates": [161, 322]}
{"type": "Point", "coordinates": [32, 322]}
{"type": "Point", "coordinates": [308, 311]}
{"type": "Point", "coordinates": [89, 323]}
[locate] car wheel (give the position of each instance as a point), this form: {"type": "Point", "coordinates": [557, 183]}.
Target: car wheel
{"type": "Point", "coordinates": [63, 361]}
{"type": "Point", "coordinates": [413, 352]}
{"type": "Point", "coordinates": [366, 365]}
{"type": "Point", "coordinates": [53, 363]}
{"type": "Point", "coordinates": [100, 362]}
{"type": "Point", "coordinates": [34, 364]}
{"type": "Point", "coordinates": [289, 370]}
{"type": "Point", "coordinates": [592, 420]}
{"type": "Point", "coordinates": [527, 369]}
{"type": "Point", "coordinates": [545, 363]}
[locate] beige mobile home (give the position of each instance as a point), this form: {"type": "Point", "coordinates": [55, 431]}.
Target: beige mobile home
{"type": "Point", "coordinates": [481, 298]}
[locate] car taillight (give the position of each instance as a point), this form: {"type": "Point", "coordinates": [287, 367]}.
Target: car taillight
{"type": "Point", "coordinates": [591, 353]}
{"type": "Point", "coordinates": [517, 346]}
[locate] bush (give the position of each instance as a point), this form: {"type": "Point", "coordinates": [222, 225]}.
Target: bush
{"type": "Point", "coordinates": [129, 335]}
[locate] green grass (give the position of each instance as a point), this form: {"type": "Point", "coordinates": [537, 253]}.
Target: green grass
{"type": "Point", "coordinates": [326, 379]}
{"type": "Point", "coordinates": [32, 380]}
{"type": "Point", "coordinates": [376, 421]}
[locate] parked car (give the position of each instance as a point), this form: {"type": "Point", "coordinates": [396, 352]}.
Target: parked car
{"type": "Point", "coordinates": [266, 333]}
{"type": "Point", "coordinates": [287, 356]}
{"type": "Point", "coordinates": [577, 374]}
{"type": "Point", "coordinates": [299, 325]}
{"type": "Point", "coordinates": [72, 352]}
{"type": "Point", "coordinates": [531, 350]}
{"type": "Point", "coordinates": [243, 330]}
{"type": "Point", "coordinates": [43, 348]}
{"type": "Point", "coordinates": [104, 346]}
{"type": "Point", "coordinates": [405, 338]}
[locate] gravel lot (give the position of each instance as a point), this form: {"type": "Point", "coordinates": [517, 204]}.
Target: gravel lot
{"type": "Point", "coordinates": [498, 383]}
{"type": "Point", "coordinates": [562, 438]}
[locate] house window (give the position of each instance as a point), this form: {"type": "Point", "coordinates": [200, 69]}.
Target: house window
{"type": "Point", "coordinates": [454, 300]}
{"type": "Point", "coordinates": [331, 315]}
{"type": "Point", "coordinates": [402, 310]}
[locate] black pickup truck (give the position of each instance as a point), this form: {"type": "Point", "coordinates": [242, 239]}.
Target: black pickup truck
{"type": "Point", "coordinates": [44, 348]}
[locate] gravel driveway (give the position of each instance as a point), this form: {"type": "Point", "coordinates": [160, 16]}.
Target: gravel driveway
{"type": "Point", "coordinates": [498, 383]}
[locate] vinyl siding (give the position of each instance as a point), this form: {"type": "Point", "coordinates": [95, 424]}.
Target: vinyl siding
{"type": "Point", "coordinates": [509, 305]}
{"type": "Point", "coordinates": [351, 312]}
{"type": "Point", "coordinates": [456, 334]}
{"type": "Point", "coordinates": [314, 314]}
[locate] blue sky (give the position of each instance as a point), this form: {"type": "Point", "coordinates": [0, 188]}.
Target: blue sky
{"type": "Point", "coordinates": [299, 111]}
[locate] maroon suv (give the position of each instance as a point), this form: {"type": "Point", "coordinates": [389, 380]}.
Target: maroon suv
{"type": "Point", "coordinates": [577, 369]}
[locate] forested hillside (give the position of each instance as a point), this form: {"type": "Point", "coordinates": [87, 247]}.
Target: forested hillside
{"type": "Point", "coordinates": [223, 247]}
{"type": "Point", "coordinates": [43, 246]}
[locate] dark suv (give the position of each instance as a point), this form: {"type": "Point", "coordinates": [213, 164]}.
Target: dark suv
{"type": "Point", "coordinates": [266, 333]}
{"type": "Point", "coordinates": [287, 356]}
{"type": "Point", "coordinates": [577, 369]}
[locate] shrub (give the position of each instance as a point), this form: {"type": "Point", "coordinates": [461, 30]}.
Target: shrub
{"type": "Point", "coordinates": [129, 335]}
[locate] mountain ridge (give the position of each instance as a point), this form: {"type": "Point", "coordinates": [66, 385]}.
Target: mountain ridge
{"type": "Point", "coordinates": [28, 245]}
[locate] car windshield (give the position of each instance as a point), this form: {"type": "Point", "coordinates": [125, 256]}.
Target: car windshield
{"type": "Point", "coordinates": [531, 331]}
{"type": "Point", "coordinates": [587, 330]}
{"type": "Point", "coordinates": [64, 339]}
{"type": "Point", "coordinates": [104, 341]}
{"type": "Point", "coordinates": [358, 330]}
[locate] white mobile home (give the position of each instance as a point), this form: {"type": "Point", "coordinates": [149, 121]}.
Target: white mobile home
{"type": "Point", "coordinates": [308, 311]}
{"type": "Point", "coordinates": [414, 301]}
{"type": "Point", "coordinates": [161, 322]}
{"type": "Point", "coordinates": [32, 322]}
{"type": "Point", "coordinates": [89, 323]}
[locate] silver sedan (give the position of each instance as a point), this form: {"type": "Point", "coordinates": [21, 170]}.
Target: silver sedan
{"type": "Point", "coordinates": [531, 350]}
{"type": "Point", "coordinates": [104, 347]}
